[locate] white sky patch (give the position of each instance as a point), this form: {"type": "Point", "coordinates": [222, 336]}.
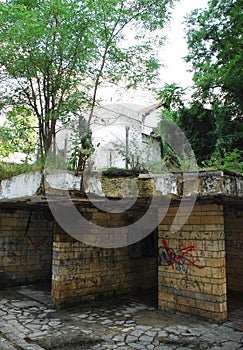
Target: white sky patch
{"type": "Point", "coordinates": [170, 55]}
{"type": "Point", "coordinates": [175, 49]}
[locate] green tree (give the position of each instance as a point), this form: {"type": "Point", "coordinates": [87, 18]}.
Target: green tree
{"type": "Point", "coordinates": [214, 37]}
{"type": "Point", "coordinates": [55, 54]}
{"type": "Point", "coordinates": [172, 97]}
{"type": "Point", "coordinates": [212, 120]}
{"type": "Point", "coordinates": [214, 136]}
{"type": "Point", "coordinates": [196, 122]}
{"type": "Point", "coordinates": [18, 133]}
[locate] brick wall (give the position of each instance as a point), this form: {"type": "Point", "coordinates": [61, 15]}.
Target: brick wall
{"type": "Point", "coordinates": [234, 248]}
{"type": "Point", "coordinates": [192, 261]}
{"type": "Point", "coordinates": [25, 245]}
{"type": "Point", "coordinates": [81, 272]}
{"type": "Point", "coordinates": [192, 272]}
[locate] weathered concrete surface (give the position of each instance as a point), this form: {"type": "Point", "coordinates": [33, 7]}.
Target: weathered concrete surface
{"type": "Point", "coordinates": [20, 186]}
{"type": "Point", "coordinates": [29, 323]}
{"type": "Point", "coordinates": [27, 184]}
{"type": "Point", "coordinates": [206, 183]}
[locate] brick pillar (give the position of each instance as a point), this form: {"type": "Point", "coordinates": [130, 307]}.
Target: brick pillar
{"type": "Point", "coordinates": [234, 247]}
{"type": "Point", "coordinates": [192, 269]}
{"type": "Point", "coordinates": [62, 279]}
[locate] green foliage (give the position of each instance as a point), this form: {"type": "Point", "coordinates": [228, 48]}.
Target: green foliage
{"type": "Point", "coordinates": [199, 126]}
{"type": "Point", "coordinates": [171, 97]}
{"type": "Point", "coordinates": [82, 150]}
{"type": "Point", "coordinates": [130, 151]}
{"type": "Point", "coordinates": [139, 154]}
{"type": "Point", "coordinates": [213, 133]}
{"type": "Point", "coordinates": [214, 37]}
{"type": "Point", "coordinates": [232, 161]}
{"type": "Point", "coordinates": [192, 126]}
{"type": "Point", "coordinates": [8, 170]}
{"type": "Point", "coordinates": [212, 122]}
{"type": "Point", "coordinates": [55, 54]}
{"type": "Point", "coordinates": [152, 152]}
{"type": "Point", "coordinates": [229, 130]}
{"type": "Point", "coordinates": [177, 154]}
{"type": "Point", "coordinates": [18, 133]}
{"type": "Point", "coordinates": [113, 168]}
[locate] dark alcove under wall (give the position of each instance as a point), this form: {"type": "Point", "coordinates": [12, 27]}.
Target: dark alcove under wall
{"type": "Point", "coordinates": [26, 238]}
{"type": "Point", "coordinates": [233, 225]}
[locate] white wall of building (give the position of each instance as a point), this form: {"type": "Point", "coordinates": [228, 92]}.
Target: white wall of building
{"type": "Point", "coordinates": [108, 128]}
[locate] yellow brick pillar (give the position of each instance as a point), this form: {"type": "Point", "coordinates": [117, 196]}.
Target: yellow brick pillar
{"type": "Point", "coordinates": [192, 269]}
{"type": "Point", "coordinates": [62, 267]}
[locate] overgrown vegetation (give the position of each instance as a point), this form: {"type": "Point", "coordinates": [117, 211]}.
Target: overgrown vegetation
{"type": "Point", "coordinates": [138, 153]}
{"type": "Point", "coordinates": [215, 138]}
{"type": "Point", "coordinates": [8, 170]}
{"type": "Point", "coordinates": [54, 56]}
{"type": "Point", "coordinates": [213, 120]}
{"type": "Point", "coordinates": [232, 161]}
{"type": "Point", "coordinates": [18, 133]}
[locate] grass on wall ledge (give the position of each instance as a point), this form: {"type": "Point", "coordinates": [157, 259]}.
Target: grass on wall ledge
{"type": "Point", "coordinates": [8, 170]}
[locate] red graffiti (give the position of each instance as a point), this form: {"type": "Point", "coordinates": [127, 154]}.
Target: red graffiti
{"type": "Point", "coordinates": [37, 245]}
{"type": "Point", "coordinates": [179, 258]}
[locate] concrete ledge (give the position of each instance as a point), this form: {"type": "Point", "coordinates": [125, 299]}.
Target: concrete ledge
{"type": "Point", "coordinates": [202, 184]}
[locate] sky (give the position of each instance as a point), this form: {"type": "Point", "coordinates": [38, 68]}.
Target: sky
{"type": "Point", "coordinates": [171, 54]}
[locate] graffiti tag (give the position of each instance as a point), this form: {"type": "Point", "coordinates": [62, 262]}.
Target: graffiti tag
{"type": "Point", "coordinates": [37, 245]}
{"type": "Point", "coordinates": [179, 259]}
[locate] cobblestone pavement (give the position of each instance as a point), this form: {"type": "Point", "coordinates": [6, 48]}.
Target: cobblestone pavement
{"type": "Point", "coordinates": [122, 324]}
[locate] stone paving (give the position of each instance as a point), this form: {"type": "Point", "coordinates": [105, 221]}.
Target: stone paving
{"type": "Point", "coordinates": [27, 322]}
